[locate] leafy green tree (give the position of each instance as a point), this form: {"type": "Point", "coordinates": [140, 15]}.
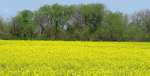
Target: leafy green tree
{"type": "Point", "coordinates": [85, 20]}
{"type": "Point", "coordinates": [51, 19]}
{"type": "Point", "coordinates": [93, 15]}
{"type": "Point", "coordinates": [23, 24]}
{"type": "Point", "coordinates": [113, 28]}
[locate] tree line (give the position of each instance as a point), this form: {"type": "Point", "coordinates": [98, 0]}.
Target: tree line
{"type": "Point", "coordinates": [90, 22]}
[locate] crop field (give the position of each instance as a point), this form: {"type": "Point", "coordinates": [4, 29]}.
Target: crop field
{"type": "Point", "coordinates": [74, 58]}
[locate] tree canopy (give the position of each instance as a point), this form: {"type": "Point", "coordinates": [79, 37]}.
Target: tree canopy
{"type": "Point", "coordinates": [86, 22]}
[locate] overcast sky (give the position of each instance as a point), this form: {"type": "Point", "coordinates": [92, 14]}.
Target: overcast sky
{"type": "Point", "coordinates": [9, 8]}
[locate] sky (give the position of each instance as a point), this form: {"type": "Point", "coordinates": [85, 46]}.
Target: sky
{"type": "Point", "coordinates": [9, 8]}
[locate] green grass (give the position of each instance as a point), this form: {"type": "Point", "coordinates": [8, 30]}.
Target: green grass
{"type": "Point", "coordinates": [62, 58]}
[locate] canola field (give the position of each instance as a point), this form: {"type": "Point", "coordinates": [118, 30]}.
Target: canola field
{"type": "Point", "coordinates": [74, 58]}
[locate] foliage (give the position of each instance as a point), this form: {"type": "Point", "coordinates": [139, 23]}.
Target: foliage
{"type": "Point", "coordinates": [88, 22]}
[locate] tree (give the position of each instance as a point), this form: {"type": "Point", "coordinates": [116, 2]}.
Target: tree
{"type": "Point", "coordinates": [141, 20]}
{"type": "Point", "coordinates": [93, 15]}
{"type": "Point", "coordinates": [51, 19]}
{"type": "Point", "coordinates": [23, 24]}
{"type": "Point", "coordinates": [1, 25]}
{"type": "Point", "coordinates": [85, 20]}
{"type": "Point", "coordinates": [113, 27]}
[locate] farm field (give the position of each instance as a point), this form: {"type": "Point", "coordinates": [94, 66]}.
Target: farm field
{"type": "Point", "coordinates": [74, 58]}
